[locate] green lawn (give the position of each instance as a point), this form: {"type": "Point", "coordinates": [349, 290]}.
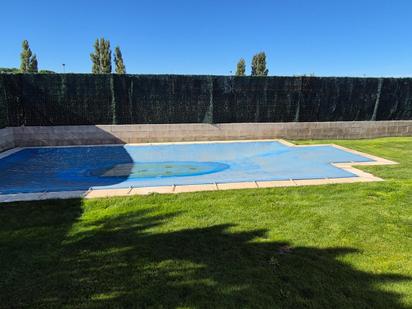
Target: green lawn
{"type": "Point", "coordinates": [333, 246]}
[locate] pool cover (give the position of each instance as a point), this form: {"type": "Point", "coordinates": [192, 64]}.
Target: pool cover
{"type": "Point", "coordinates": [56, 169]}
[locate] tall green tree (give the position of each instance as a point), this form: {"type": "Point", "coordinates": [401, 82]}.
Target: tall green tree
{"type": "Point", "coordinates": [101, 57]}
{"type": "Point", "coordinates": [241, 67]}
{"type": "Point", "coordinates": [25, 57]}
{"type": "Point", "coordinates": [95, 57]}
{"type": "Point", "coordinates": [33, 67]}
{"type": "Point", "coordinates": [259, 65]}
{"type": "Point", "coordinates": [105, 56]}
{"type": "Point", "coordinates": [118, 61]}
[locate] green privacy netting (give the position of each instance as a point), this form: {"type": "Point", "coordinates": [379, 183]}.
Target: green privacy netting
{"type": "Point", "coordinates": [75, 99]}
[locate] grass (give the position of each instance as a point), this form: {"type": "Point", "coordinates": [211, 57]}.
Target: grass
{"type": "Point", "coordinates": [334, 246]}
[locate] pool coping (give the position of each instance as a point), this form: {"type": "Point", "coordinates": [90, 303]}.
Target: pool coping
{"type": "Point", "coordinates": [361, 176]}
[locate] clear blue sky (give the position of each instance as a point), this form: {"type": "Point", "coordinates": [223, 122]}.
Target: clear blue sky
{"type": "Point", "coordinates": [324, 37]}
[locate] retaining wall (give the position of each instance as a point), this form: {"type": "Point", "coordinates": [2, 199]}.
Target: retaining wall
{"type": "Point", "coordinates": [120, 134]}
{"type": "Point", "coordinates": [6, 139]}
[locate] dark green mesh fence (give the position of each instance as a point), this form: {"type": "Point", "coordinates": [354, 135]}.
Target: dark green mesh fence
{"type": "Point", "coordinates": [74, 99]}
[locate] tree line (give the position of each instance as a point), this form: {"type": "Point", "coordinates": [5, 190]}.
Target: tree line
{"type": "Point", "coordinates": [28, 62]}
{"type": "Point", "coordinates": [101, 58]}
{"type": "Point", "coordinates": [258, 67]}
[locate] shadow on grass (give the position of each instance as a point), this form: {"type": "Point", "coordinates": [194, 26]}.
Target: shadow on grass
{"type": "Point", "coordinates": [125, 261]}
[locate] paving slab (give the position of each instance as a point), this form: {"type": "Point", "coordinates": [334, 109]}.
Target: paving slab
{"type": "Point", "coordinates": [195, 188]}
{"type": "Point", "coordinates": [237, 185]}
{"type": "Point", "coordinates": [150, 190]}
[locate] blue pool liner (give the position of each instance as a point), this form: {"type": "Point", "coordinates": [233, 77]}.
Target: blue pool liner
{"type": "Point", "coordinates": [55, 169]}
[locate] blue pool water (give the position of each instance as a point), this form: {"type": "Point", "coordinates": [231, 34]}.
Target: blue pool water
{"type": "Point", "coordinates": [80, 168]}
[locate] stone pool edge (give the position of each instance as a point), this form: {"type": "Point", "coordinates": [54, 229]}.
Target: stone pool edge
{"type": "Point", "coordinates": [361, 176]}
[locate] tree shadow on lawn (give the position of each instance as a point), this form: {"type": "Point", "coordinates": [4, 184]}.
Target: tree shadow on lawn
{"type": "Point", "coordinates": [121, 261]}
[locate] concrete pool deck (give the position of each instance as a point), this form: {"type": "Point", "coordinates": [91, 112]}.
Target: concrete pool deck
{"type": "Point", "coordinates": [360, 176]}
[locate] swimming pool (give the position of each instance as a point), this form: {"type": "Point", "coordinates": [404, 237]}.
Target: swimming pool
{"type": "Point", "coordinates": [56, 169]}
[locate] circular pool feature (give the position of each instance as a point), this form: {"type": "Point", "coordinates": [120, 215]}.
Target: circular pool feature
{"type": "Point", "coordinates": [138, 170]}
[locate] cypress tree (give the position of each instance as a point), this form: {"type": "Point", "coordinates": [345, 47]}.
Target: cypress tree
{"type": "Point", "coordinates": [33, 67]}
{"type": "Point", "coordinates": [241, 67]}
{"type": "Point", "coordinates": [118, 61]}
{"type": "Point", "coordinates": [105, 57]}
{"type": "Point", "coordinates": [259, 65]}
{"type": "Point", "coordinates": [95, 57]}
{"type": "Point", "coordinates": [25, 57]}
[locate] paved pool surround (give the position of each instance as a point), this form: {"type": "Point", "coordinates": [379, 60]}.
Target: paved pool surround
{"type": "Point", "coordinates": [146, 133]}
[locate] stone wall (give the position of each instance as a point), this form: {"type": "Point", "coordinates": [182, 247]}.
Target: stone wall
{"type": "Point", "coordinates": [6, 139]}
{"type": "Point", "coordinates": [118, 134]}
